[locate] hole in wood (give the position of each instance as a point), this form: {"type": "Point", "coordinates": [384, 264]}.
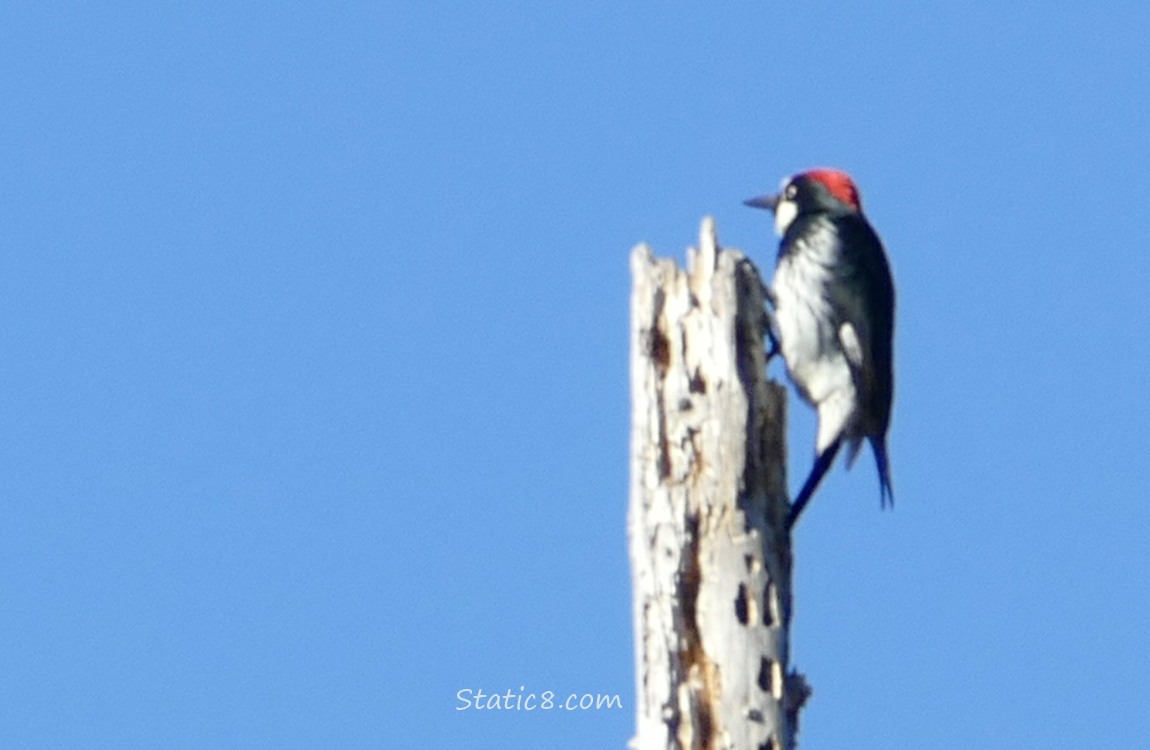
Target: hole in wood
{"type": "Point", "coordinates": [766, 667]}
{"type": "Point", "coordinates": [660, 349]}
{"type": "Point", "coordinates": [697, 384]}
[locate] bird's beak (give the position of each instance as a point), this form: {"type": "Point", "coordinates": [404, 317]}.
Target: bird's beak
{"type": "Point", "coordinates": [769, 202]}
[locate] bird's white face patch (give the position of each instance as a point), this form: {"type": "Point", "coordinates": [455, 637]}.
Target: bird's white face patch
{"type": "Point", "coordinates": [785, 213]}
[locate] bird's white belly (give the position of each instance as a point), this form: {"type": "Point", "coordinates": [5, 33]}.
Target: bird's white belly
{"type": "Point", "coordinates": [810, 344]}
{"type": "Point", "coordinates": [808, 339]}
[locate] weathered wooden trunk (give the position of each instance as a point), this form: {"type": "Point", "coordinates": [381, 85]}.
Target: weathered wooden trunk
{"type": "Point", "coordinates": [710, 552]}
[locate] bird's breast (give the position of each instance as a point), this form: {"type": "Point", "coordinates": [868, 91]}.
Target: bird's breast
{"type": "Point", "coordinates": [805, 318]}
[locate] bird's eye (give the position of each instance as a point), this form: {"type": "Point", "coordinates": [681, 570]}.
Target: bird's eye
{"type": "Point", "coordinates": [791, 192]}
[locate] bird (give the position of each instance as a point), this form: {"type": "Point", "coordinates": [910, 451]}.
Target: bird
{"type": "Point", "coordinates": [833, 298]}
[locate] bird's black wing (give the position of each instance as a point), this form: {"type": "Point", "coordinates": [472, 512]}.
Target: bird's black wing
{"type": "Point", "coordinates": [862, 294]}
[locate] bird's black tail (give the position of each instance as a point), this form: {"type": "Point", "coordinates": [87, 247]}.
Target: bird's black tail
{"type": "Point", "coordinates": [822, 463]}
{"type": "Point", "coordinates": [886, 492]}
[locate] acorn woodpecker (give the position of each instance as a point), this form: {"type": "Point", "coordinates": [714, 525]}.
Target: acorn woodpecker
{"type": "Point", "coordinates": [834, 318]}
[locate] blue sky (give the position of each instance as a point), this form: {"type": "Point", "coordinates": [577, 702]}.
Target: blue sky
{"type": "Point", "coordinates": [313, 362]}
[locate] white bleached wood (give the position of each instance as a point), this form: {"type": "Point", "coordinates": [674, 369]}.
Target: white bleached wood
{"type": "Point", "coordinates": [710, 553]}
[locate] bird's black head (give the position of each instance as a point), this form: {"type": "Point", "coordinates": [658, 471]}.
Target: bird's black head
{"type": "Point", "coordinates": [813, 191]}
